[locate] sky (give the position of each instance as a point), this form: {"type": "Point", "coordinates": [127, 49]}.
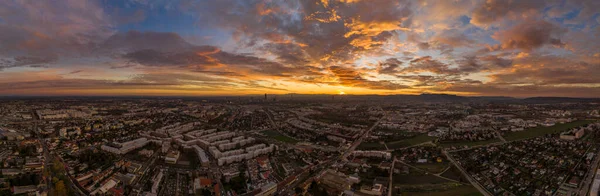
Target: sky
{"type": "Point", "coordinates": [518, 48]}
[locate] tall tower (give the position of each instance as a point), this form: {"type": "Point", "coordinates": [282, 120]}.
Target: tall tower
{"type": "Point", "coordinates": [265, 96]}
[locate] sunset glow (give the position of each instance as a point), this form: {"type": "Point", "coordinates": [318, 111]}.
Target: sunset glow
{"type": "Point", "coordinates": [241, 47]}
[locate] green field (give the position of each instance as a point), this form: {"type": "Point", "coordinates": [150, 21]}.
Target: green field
{"type": "Point", "coordinates": [454, 173]}
{"type": "Point", "coordinates": [463, 190]}
{"type": "Point", "coordinates": [278, 136]}
{"type": "Point", "coordinates": [370, 146]}
{"type": "Point", "coordinates": [468, 143]}
{"type": "Point", "coordinates": [416, 177]}
{"type": "Point", "coordinates": [541, 130]}
{"type": "Point", "coordinates": [432, 167]}
{"type": "Point", "coordinates": [410, 142]}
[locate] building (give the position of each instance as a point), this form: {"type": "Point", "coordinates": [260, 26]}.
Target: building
{"type": "Point", "coordinates": [572, 134]}
{"type": "Point", "coordinates": [157, 179]}
{"type": "Point", "coordinates": [335, 180]}
{"type": "Point", "coordinates": [201, 183]}
{"type": "Point", "coordinates": [172, 157]}
{"type": "Point", "coordinates": [268, 189]}
{"type": "Point", "coordinates": [204, 161]}
{"type": "Point", "coordinates": [595, 184]}
{"type": "Point", "coordinates": [123, 148]}
{"type": "Point", "coordinates": [372, 153]}
{"type": "Point", "coordinates": [24, 189]}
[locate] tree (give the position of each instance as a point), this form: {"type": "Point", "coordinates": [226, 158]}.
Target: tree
{"type": "Point", "coordinates": [206, 192]}
{"type": "Point", "coordinates": [60, 188]}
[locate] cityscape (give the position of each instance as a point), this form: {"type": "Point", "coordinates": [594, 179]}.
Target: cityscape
{"type": "Point", "coordinates": [431, 144]}
{"type": "Point", "coordinates": [299, 97]}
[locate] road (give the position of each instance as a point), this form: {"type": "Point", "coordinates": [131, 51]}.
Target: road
{"type": "Point", "coordinates": [589, 179]}
{"type": "Point", "coordinates": [325, 164]}
{"type": "Point", "coordinates": [359, 140]}
{"type": "Point", "coordinates": [138, 183]}
{"type": "Point", "coordinates": [391, 176]}
{"type": "Point", "coordinates": [473, 182]}
{"type": "Point", "coordinates": [48, 158]}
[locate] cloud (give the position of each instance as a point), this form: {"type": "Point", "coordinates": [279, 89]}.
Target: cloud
{"type": "Point", "coordinates": [154, 49]}
{"type": "Point", "coordinates": [428, 64]}
{"type": "Point", "coordinates": [577, 73]}
{"type": "Point", "coordinates": [132, 41]}
{"type": "Point", "coordinates": [287, 53]}
{"type": "Point", "coordinates": [262, 44]}
{"type": "Point", "coordinates": [453, 38]}
{"type": "Point", "coordinates": [429, 81]}
{"type": "Point", "coordinates": [498, 62]}
{"type": "Point", "coordinates": [23, 61]}
{"type": "Point", "coordinates": [524, 90]}
{"type": "Point", "coordinates": [490, 11]}
{"type": "Point", "coordinates": [150, 57]}
{"type": "Point", "coordinates": [350, 77]}
{"type": "Point", "coordinates": [331, 31]}
{"type": "Point", "coordinates": [530, 35]}
{"type": "Point", "coordinates": [68, 28]}
{"type": "Point", "coordinates": [389, 66]}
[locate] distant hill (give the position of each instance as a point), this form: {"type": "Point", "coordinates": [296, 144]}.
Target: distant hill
{"type": "Point", "coordinates": [559, 99]}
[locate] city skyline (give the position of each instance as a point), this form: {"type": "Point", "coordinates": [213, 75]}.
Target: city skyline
{"type": "Point", "coordinates": [232, 47]}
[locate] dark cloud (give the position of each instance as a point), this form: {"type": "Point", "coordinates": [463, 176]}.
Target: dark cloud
{"type": "Point", "coordinates": [26, 61]}
{"type": "Point", "coordinates": [287, 53]}
{"type": "Point", "coordinates": [218, 73]}
{"type": "Point", "coordinates": [524, 91]}
{"type": "Point", "coordinates": [453, 38]}
{"type": "Point", "coordinates": [428, 64]}
{"type": "Point", "coordinates": [132, 41]}
{"type": "Point", "coordinates": [389, 66]}
{"type": "Point", "coordinates": [331, 31]}
{"type": "Point", "coordinates": [550, 70]}
{"type": "Point", "coordinates": [156, 58]}
{"type": "Point", "coordinates": [435, 81]}
{"type": "Point", "coordinates": [76, 72]}
{"type": "Point", "coordinates": [498, 62]}
{"type": "Point", "coordinates": [473, 64]}
{"type": "Point", "coordinates": [490, 11]}
{"type": "Point", "coordinates": [67, 28]}
{"type": "Point", "coordinates": [530, 35]}
{"type": "Point", "coordinates": [350, 77]}
{"type": "Point", "coordinates": [169, 49]}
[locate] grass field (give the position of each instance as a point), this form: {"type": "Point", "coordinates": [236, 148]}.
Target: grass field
{"type": "Point", "coordinates": [409, 142]}
{"type": "Point", "coordinates": [463, 190]}
{"type": "Point", "coordinates": [370, 146]}
{"type": "Point", "coordinates": [455, 174]}
{"type": "Point", "coordinates": [540, 131]}
{"type": "Point", "coordinates": [416, 177]}
{"type": "Point", "coordinates": [432, 167]}
{"type": "Point", "coordinates": [278, 136]}
{"type": "Point", "coordinates": [468, 143]}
